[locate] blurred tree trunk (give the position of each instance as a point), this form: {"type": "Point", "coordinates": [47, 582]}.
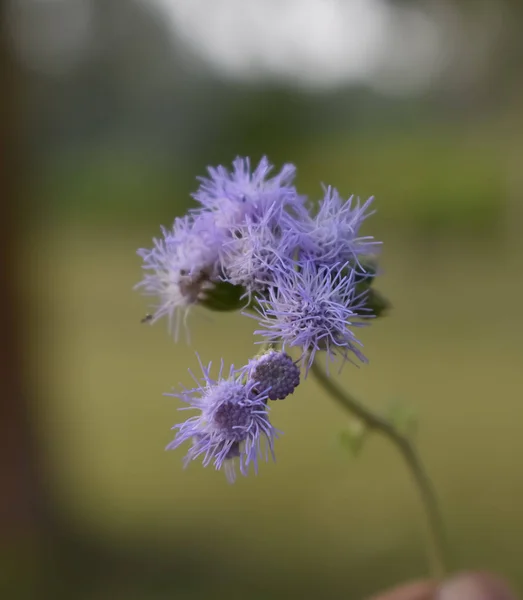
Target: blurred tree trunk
{"type": "Point", "coordinates": [21, 497]}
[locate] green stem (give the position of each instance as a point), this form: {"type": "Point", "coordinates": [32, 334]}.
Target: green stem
{"type": "Point", "coordinates": [435, 530]}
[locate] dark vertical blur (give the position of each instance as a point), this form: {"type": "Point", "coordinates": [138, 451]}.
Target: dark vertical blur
{"type": "Point", "coordinates": [23, 514]}
{"type": "Point", "coordinates": [21, 500]}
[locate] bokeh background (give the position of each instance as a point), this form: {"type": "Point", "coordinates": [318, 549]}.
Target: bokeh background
{"type": "Point", "coordinates": [110, 109]}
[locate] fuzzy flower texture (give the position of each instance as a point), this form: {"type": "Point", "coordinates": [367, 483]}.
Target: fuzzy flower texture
{"type": "Point", "coordinates": [300, 268]}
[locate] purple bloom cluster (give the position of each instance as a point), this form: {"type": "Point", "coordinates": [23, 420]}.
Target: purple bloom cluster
{"type": "Point", "coordinates": [314, 308]}
{"type": "Point", "coordinates": [332, 234]}
{"type": "Point", "coordinates": [297, 267]}
{"type": "Point", "coordinates": [301, 269]}
{"type": "Point", "coordinates": [242, 195]}
{"type": "Point", "coordinates": [233, 424]}
{"type": "Point", "coordinates": [182, 266]}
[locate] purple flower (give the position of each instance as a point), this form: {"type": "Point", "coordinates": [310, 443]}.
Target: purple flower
{"type": "Point", "coordinates": [314, 308]}
{"type": "Point", "coordinates": [182, 266]}
{"type": "Point", "coordinates": [276, 372]}
{"type": "Point", "coordinates": [235, 195]}
{"type": "Point", "coordinates": [257, 250]}
{"type": "Point", "coordinates": [333, 233]}
{"type": "Point", "coordinates": [233, 423]}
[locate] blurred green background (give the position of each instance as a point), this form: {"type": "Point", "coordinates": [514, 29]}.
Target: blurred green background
{"type": "Point", "coordinates": [111, 109]}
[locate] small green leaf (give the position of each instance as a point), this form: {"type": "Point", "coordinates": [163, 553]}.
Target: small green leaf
{"type": "Point", "coordinates": [224, 297]}
{"type": "Point", "coordinates": [365, 272]}
{"type": "Point", "coordinates": [403, 417]}
{"type": "Point", "coordinates": [377, 302]}
{"type": "Point", "coordinates": [354, 437]}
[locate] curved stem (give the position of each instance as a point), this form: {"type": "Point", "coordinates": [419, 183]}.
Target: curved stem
{"type": "Point", "coordinates": [436, 539]}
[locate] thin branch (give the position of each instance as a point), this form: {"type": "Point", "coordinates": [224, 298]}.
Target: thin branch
{"type": "Point", "coordinates": [436, 538]}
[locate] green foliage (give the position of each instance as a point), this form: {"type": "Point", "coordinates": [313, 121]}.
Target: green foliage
{"type": "Point", "coordinates": [374, 300]}
{"type": "Point", "coordinates": [430, 178]}
{"type": "Point", "coordinates": [111, 187]}
{"type": "Point", "coordinates": [354, 437]}
{"type": "Point", "coordinates": [378, 304]}
{"type": "Point", "coordinates": [404, 418]}
{"type": "Point", "coordinates": [224, 297]}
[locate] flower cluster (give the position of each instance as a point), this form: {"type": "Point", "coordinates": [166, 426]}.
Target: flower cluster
{"type": "Point", "coordinates": [301, 269]}
{"type": "Point", "coordinates": [233, 420]}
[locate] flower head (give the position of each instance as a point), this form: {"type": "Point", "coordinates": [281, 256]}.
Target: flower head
{"type": "Point", "coordinates": [242, 193]}
{"type": "Point", "coordinates": [333, 233]}
{"type": "Point", "coordinates": [276, 372]}
{"type": "Point", "coordinates": [314, 308]}
{"type": "Point", "coordinates": [258, 250]}
{"type": "Point", "coordinates": [182, 266]}
{"type": "Point", "coordinates": [233, 423]}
